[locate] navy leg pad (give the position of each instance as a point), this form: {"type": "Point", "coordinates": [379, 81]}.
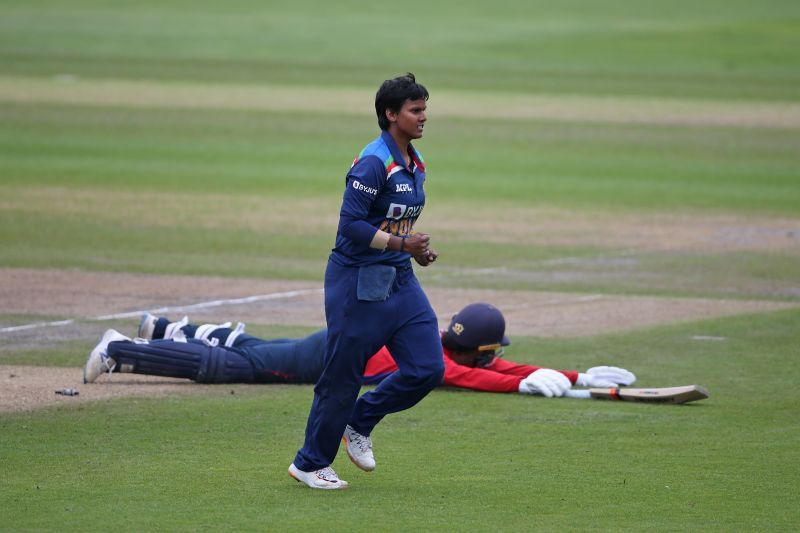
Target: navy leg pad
{"type": "Point", "coordinates": [193, 360]}
{"type": "Point", "coordinates": [159, 358]}
{"type": "Point", "coordinates": [223, 365]}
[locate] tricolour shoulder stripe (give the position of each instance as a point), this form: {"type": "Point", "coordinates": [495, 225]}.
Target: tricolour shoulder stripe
{"type": "Point", "coordinates": [392, 169]}
{"type": "Point", "coordinates": [418, 160]}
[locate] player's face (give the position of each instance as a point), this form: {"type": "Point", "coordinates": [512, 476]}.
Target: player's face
{"type": "Point", "coordinates": [474, 358]}
{"type": "Point", "coordinates": [410, 120]}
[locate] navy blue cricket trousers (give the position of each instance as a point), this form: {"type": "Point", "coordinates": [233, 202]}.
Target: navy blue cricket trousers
{"type": "Point", "coordinates": [406, 324]}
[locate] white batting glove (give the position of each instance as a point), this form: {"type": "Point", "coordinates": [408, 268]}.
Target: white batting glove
{"type": "Point", "coordinates": [546, 382]}
{"type": "Point", "coordinates": [605, 376]}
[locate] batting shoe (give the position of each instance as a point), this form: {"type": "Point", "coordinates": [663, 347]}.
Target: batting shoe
{"type": "Point", "coordinates": [324, 478]}
{"type": "Point", "coordinates": [359, 449]}
{"type": "Point", "coordinates": [98, 361]}
{"type": "Point", "coordinates": [147, 326]}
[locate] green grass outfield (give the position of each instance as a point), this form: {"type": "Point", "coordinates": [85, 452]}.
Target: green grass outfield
{"type": "Point", "coordinates": [459, 459]}
{"type": "Point", "coordinates": [197, 138]}
{"type": "Point", "coordinates": [256, 194]}
{"type": "Point", "coordinates": [710, 49]}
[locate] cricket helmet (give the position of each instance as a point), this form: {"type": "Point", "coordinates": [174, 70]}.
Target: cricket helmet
{"type": "Point", "coordinates": [479, 326]}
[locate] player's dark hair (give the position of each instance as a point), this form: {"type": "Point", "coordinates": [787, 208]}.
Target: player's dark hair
{"type": "Point", "coordinates": [393, 93]}
{"type": "Point", "coordinates": [449, 343]}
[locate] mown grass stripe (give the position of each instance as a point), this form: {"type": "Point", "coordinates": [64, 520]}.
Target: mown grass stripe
{"type": "Point", "coordinates": [566, 108]}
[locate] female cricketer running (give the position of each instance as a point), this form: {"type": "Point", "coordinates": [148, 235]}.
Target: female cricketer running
{"type": "Point", "coordinates": [372, 297]}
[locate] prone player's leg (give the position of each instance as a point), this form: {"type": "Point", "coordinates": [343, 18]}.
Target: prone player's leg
{"type": "Point", "coordinates": [193, 360]}
{"type": "Point", "coordinates": [285, 360]}
{"type": "Point", "coordinates": [153, 328]}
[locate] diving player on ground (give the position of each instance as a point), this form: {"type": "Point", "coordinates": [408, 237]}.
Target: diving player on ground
{"type": "Point", "coordinates": [472, 347]}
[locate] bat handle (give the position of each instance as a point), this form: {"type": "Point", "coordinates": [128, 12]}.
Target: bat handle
{"type": "Point", "coordinates": [582, 394]}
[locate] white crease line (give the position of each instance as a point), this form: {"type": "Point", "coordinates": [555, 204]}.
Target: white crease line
{"type": "Point", "coordinates": [37, 325]}
{"type": "Point", "coordinates": [570, 301]}
{"type": "Point", "coordinates": [162, 310]}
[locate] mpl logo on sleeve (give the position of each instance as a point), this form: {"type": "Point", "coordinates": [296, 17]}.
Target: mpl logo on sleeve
{"type": "Point", "coordinates": [403, 187]}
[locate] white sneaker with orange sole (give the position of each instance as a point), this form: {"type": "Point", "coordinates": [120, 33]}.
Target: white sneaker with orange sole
{"type": "Point", "coordinates": [324, 478]}
{"type": "Point", "coordinates": [359, 449]}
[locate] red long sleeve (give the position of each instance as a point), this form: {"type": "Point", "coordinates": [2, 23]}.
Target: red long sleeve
{"type": "Point", "coordinates": [516, 369]}
{"type": "Point", "coordinates": [480, 379]}
{"type": "Point", "coordinates": [500, 376]}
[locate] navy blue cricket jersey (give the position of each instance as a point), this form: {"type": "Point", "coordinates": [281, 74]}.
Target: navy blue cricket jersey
{"type": "Point", "coordinates": [381, 193]}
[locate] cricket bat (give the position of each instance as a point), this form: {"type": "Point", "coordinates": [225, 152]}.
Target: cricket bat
{"type": "Point", "coordinates": [684, 394]}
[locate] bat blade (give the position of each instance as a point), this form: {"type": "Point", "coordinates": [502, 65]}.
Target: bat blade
{"type": "Point", "coordinates": [683, 394]}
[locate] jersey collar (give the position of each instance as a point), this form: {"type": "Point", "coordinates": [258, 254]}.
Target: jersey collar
{"type": "Point", "coordinates": [397, 155]}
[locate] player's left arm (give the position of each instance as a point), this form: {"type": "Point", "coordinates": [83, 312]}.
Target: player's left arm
{"type": "Point", "coordinates": [598, 376]}
{"type": "Point", "coordinates": [516, 369]}
{"type": "Point", "coordinates": [478, 379]}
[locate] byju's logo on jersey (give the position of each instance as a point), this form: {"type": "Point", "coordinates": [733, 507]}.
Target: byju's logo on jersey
{"type": "Point", "coordinates": [400, 219]}
{"type": "Point", "coordinates": [396, 211]}
{"type": "Point", "coordinates": [403, 187]}
{"type": "Point", "coordinates": [399, 211]}
{"type": "Point", "coordinates": [357, 185]}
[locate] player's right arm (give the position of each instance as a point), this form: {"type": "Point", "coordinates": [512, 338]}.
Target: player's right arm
{"type": "Point", "coordinates": [363, 184]}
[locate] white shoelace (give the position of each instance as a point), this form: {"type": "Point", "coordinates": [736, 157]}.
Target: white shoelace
{"type": "Point", "coordinates": [363, 443]}
{"type": "Point", "coordinates": [327, 474]}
